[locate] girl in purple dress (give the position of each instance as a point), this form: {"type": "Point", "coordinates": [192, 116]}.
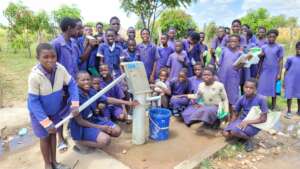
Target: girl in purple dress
{"type": "Point", "coordinates": [229, 74]}
{"type": "Point", "coordinates": [172, 38]}
{"type": "Point", "coordinates": [271, 56]}
{"type": "Point", "coordinates": [203, 47]}
{"type": "Point", "coordinates": [216, 42]}
{"type": "Point", "coordinates": [193, 50]}
{"type": "Point", "coordinates": [236, 30]}
{"type": "Point", "coordinates": [148, 54]}
{"type": "Point", "coordinates": [164, 52]}
{"type": "Point", "coordinates": [178, 88]}
{"type": "Point", "coordinates": [240, 128]}
{"type": "Point", "coordinates": [291, 82]}
{"type": "Point", "coordinates": [177, 60]}
{"type": "Point", "coordinates": [261, 37]}
{"type": "Point", "coordinates": [197, 79]}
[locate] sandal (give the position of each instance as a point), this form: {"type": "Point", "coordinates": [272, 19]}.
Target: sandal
{"type": "Point", "coordinates": [62, 147]}
{"type": "Point", "coordinates": [60, 166]}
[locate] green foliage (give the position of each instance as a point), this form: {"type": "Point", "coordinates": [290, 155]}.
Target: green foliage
{"type": "Point", "coordinates": [150, 10]}
{"type": "Point", "coordinates": [230, 151]}
{"type": "Point", "coordinates": [206, 164]}
{"type": "Point", "coordinates": [210, 30]}
{"type": "Point", "coordinates": [66, 11]}
{"type": "Point", "coordinates": [178, 19]}
{"type": "Point", "coordinates": [261, 17]}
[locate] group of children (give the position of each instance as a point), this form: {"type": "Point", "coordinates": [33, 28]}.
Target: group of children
{"type": "Point", "coordinates": [194, 86]}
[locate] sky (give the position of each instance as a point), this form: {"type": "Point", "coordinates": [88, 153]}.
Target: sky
{"type": "Point", "coordinates": [203, 11]}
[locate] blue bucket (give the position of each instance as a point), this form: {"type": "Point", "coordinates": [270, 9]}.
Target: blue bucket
{"type": "Point", "coordinates": [159, 120]}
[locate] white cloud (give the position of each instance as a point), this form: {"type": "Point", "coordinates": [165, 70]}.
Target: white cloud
{"type": "Point", "coordinates": [91, 10]}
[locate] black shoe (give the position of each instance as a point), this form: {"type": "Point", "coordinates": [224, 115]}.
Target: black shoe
{"type": "Point", "coordinates": [249, 146]}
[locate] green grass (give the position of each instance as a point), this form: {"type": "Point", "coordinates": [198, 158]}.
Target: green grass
{"type": "Point", "coordinates": [229, 151]}
{"type": "Point", "coordinates": [206, 164]}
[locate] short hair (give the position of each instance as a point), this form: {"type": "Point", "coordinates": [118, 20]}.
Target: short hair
{"type": "Point", "coordinates": [77, 20]}
{"type": "Point", "coordinates": [145, 29]}
{"type": "Point", "coordinates": [111, 30]}
{"type": "Point", "coordinates": [275, 31]}
{"type": "Point", "coordinates": [99, 23]}
{"type": "Point", "coordinates": [262, 27]}
{"type": "Point", "coordinates": [184, 70]}
{"type": "Point", "coordinates": [195, 36]}
{"type": "Point", "coordinates": [236, 36]}
{"type": "Point", "coordinates": [298, 44]}
{"type": "Point", "coordinates": [113, 18]}
{"type": "Point", "coordinates": [210, 69]}
{"type": "Point", "coordinates": [247, 26]}
{"type": "Point", "coordinates": [198, 64]}
{"type": "Point", "coordinates": [222, 27]}
{"type": "Point", "coordinates": [202, 33]}
{"type": "Point", "coordinates": [81, 72]}
{"type": "Point", "coordinates": [67, 22]}
{"type": "Point", "coordinates": [43, 46]}
{"type": "Point", "coordinates": [172, 28]}
{"type": "Point", "coordinates": [130, 27]}
{"type": "Point", "coordinates": [236, 21]}
{"type": "Point", "coordinates": [164, 70]}
{"type": "Point", "coordinates": [131, 40]}
{"type": "Point", "coordinates": [252, 80]}
{"type": "Point", "coordinates": [165, 34]}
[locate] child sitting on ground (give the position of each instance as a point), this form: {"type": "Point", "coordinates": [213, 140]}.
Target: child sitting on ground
{"type": "Point", "coordinates": [88, 129]}
{"type": "Point", "coordinates": [241, 128]}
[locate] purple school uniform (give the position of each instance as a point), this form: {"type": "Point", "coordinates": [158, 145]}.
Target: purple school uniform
{"type": "Point", "coordinates": [164, 53]}
{"type": "Point", "coordinates": [229, 75]}
{"type": "Point", "coordinates": [270, 69]}
{"type": "Point", "coordinates": [216, 42]}
{"type": "Point", "coordinates": [111, 55]}
{"type": "Point", "coordinates": [244, 105]}
{"type": "Point", "coordinates": [247, 73]}
{"type": "Point", "coordinates": [82, 65]}
{"type": "Point", "coordinates": [112, 111]}
{"type": "Point", "coordinates": [291, 81]}
{"type": "Point", "coordinates": [130, 56]}
{"type": "Point", "coordinates": [178, 88]}
{"type": "Point", "coordinates": [68, 54]}
{"type": "Point", "coordinates": [261, 42]}
{"type": "Point", "coordinates": [171, 44]}
{"type": "Point", "coordinates": [194, 83]}
{"type": "Point", "coordinates": [79, 132]}
{"type": "Point", "coordinates": [225, 41]}
{"type": "Point", "coordinates": [148, 55]}
{"type": "Point", "coordinates": [175, 65]}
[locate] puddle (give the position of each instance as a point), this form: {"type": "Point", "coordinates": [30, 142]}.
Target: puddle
{"type": "Point", "coordinates": [17, 143]}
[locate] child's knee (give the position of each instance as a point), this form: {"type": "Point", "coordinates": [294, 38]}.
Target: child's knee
{"type": "Point", "coordinates": [116, 131]}
{"type": "Point", "coordinates": [103, 139]}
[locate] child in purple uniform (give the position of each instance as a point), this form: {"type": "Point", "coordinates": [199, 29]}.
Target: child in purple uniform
{"type": "Point", "coordinates": [291, 82]}
{"type": "Point", "coordinates": [172, 38]}
{"type": "Point", "coordinates": [197, 79]}
{"type": "Point", "coordinates": [88, 129]}
{"type": "Point", "coordinates": [177, 60]}
{"type": "Point", "coordinates": [116, 25]}
{"type": "Point", "coordinates": [261, 37]}
{"type": "Point", "coordinates": [229, 74]}
{"type": "Point", "coordinates": [45, 101]}
{"type": "Point", "coordinates": [236, 29]}
{"type": "Point", "coordinates": [203, 47]}
{"type": "Point", "coordinates": [164, 52]}
{"type": "Point", "coordinates": [112, 111]}
{"type": "Point", "coordinates": [161, 87]}
{"type": "Point", "coordinates": [178, 88]}
{"type": "Point", "coordinates": [148, 54]}
{"type": "Point", "coordinates": [110, 53]}
{"type": "Point", "coordinates": [131, 53]}
{"type": "Point", "coordinates": [271, 56]}
{"type": "Point", "coordinates": [216, 42]}
{"type": "Point", "coordinates": [240, 128]}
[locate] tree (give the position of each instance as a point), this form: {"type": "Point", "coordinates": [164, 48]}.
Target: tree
{"type": "Point", "coordinates": [66, 11]}
{"type": "Point", "coordinates": [210, 30]}
{"type": "Point", "coordinates": [177, 19]}
{"type": "Point", "coordinates": [150, 10]}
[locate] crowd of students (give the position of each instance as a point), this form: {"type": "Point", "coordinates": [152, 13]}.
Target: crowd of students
{"type": "Point", "coordinates": [197, 83]}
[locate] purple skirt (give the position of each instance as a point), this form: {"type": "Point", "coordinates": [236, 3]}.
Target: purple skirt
{"type": "Point", "coordinates": [207, 114]}
{"type": "Point", "coordinates": [249, 131]}
{"type": "Point", "coordinates": [176, 102]}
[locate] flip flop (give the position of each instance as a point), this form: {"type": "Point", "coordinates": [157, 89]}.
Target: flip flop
{"type": "Point", "coordinates": [62, 147]}
{"type": "Point", "coordinates": [60, 166]}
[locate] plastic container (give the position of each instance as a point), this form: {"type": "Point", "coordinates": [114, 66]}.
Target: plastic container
{"type": "Point", "coordinates": [159, 120]}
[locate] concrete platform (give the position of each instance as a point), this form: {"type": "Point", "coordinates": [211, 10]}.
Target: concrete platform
{"type": "Point", "coordinates": [185, 149]}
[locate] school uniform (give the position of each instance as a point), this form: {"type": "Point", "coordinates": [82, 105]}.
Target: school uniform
{"type": "Point", "coordinates": [291, 80]}
{"type": "Point", "coordinates": [175, 65]}
{"type": "Point", "coordinates": [148, 55]}
{"type": "Point", "coordinates": [179, 88]}
{"type": "Point", "coordinates": [228, 74]}
{"type": "Point", "coordinates": [244, 105]}
{"type": "Point", "coordinates": [112, 111]}
{"type": "Point", "coordinates": [82, 65]}
{"type": "Point", "coordinates": [80, 133]}
{"type": "Point", "coordinates": [111, 56]}
{"type": "Point", "coordinates": [68, 54]}
{"type": "Point", "coordinates": [193, 55]}
{"type": "Point", "coordinates": [225, 41]}
{"type": "Point", "coordinates": [128, 56]}
{"type": "Point", "coordinates": [171, 44]}
{"type": "Point", "coordinates": [216, 42]}
{"type": "Point", "coordinates": [270, 69]}
{"type": "Point", "coordinates": [45, 97]}
{"type": "Point", "coordinates": [164, 53]}
{"type": "Point", "coordinates": [194, 83]}
{"type": "Point", "coordinates": [261, 42]}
